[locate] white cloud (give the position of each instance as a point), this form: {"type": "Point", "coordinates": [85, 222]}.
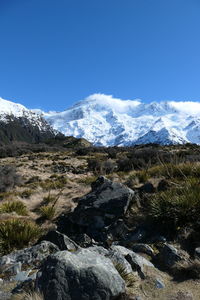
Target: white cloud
{"type": "Point", "coordinates": [117, 104]}
{"type": "Point", "coordinates": [187, 107]}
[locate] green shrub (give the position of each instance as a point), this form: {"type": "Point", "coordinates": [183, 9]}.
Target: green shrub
{"type": "Point", "coordinates": [17, 234]}
{"type": "Point", "coordinates": [14, 206]}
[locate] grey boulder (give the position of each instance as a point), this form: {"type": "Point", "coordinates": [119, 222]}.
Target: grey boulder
{"type": "Point", "coordinates": [82, 275]}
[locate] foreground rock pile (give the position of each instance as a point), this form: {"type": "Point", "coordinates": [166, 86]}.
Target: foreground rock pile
{"type": "Point", "coordinates": [95, 255]}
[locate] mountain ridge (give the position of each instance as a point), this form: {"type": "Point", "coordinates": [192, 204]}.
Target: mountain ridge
{"type": "Point", "coordinates": [17, 123]}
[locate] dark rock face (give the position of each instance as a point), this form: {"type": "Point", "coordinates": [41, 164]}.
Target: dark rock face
{"type": "Point", "coordinates": [22, 129]}
{"type": "Point", "coordinates": [104, 205]}
{"type": "Point", "coordinates": [60, 240]}
{"type": "Point", "coordinates": [79, 275]}
{"type": "Point", "coordinates": [169, 256]}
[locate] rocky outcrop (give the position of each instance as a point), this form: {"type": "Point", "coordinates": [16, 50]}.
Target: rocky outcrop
{"type": "Point", "coordinates": [19, 265]}
{"type": "Point", "coordinates": [79, 275]}
{"type": "Point", "coordinates": [103, 206]}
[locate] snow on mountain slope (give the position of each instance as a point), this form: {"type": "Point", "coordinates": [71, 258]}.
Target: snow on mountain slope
{"type": "Point", "coordinates": [17, 123]}
{"type": "Point", "coordinates": [104, 120]}
{"type": "Point", "coordinates": [107, 121]}
{"type": "Point", "coordinates": [9, 110]}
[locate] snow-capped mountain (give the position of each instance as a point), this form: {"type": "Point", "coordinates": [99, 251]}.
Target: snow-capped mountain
{"type": "Point", "coordinates": [17, 123]}
{"type": "Point", "coordinates": [107, 121]}
{"type": "Point", "coordinates": [104, 120]}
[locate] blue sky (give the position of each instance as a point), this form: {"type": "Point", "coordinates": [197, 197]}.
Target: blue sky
{"type": "Point", "coordinates": [56, 52]}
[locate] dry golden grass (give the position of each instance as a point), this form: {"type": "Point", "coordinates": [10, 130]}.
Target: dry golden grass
{"type": "Point", "coordinates": [28, 296]}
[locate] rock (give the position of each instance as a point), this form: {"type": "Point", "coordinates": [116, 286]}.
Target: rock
{"type": "Point", "coordinates": [99, 250]}
{"type": "Point", "coordinates": [148, 187]}
{"type": "Point", "coordinates": [27, 286]}
{"type": "Point", "coordinates": [118, 259]}
{"type": "Point", "coordinates": [159, 284]}
{"type": "Point", "coordinates": [12, 265]}
{"type": "Point", "coordinates": [60, 240]}
{"type": "Point", "coordinates": [104, 205]}
{"type": "Point", "coordinates": [83, 240]}
{"type": "Point", "coordinates": [136, 261]}
{"type": "Point", "coordinates": [118, 230]}
{"type": "Point", "coordinates": [197, 252]}
{"type": "Point", "coordinates": [114, 255]}
{"type": "Point", "coordinates": [79, 275]}
{"type": "Point", "coordinates": [169, 256]}
{"type": "Point", "coordinates": [143, 248]}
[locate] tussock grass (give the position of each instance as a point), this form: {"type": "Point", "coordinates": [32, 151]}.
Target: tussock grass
{"type": "Point", "coordinates": [129, 278]}
{"type": "Point", "coordinates": [57, 183]}
{"type": "Point", "coordinates": [88, 180]}
{"type": "Point", "coordinates": [49, 199]}
{"type": "Point", "coordinates": [170, 170]}
{"type": "Point", "coordinates": [177, 206]}
{"type": "Point", "coordinates": [17, 234]}
{"type": "Point", "coordinates": [48, 212]}
{"type": "Point", "coordinates": [28, 296]}
{"type": "Point", "coordinates": [14, 206]}
{"type": "Point", "coordinates": [26, 193]}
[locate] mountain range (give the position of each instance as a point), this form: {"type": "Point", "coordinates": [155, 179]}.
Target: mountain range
{"type": "Point", "coordinates": [107, 121]}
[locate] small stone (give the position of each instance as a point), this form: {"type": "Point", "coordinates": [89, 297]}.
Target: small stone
{"type": "Point", "coordinates": [159, 284]}
{"type": "Point", "coordinates": [197, 252]}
